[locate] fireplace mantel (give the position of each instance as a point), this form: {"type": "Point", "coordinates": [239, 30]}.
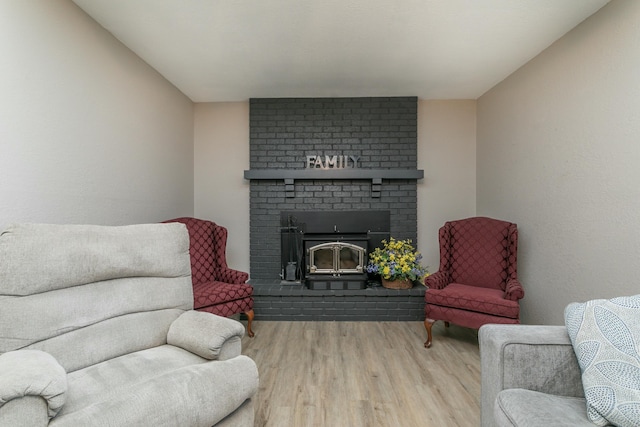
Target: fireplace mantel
{"type": "Point", "coordinates": [375, 175]}
{"type": "Point", "coordinates": [354, 173]}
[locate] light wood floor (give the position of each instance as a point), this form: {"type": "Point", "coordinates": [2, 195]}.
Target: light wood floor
{"type": "Point", "coordinates": [364, 374]}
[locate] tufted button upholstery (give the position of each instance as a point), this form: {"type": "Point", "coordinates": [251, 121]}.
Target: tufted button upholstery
{"type": "Point", "coordinates": [217, 288]}
{"type": "Point", "coordinates": [476, 282]}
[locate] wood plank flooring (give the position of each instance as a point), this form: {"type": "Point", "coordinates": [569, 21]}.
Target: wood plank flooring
{"type": "Point", "coordinates": [364, 374]}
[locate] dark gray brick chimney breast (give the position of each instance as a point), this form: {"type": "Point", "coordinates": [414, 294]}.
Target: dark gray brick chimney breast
{"type": "Point", "coordinates": [294, 134]}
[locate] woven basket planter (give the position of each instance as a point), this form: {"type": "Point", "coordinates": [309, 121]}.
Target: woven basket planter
{"type": "Point", "coordinates": [397, 284]}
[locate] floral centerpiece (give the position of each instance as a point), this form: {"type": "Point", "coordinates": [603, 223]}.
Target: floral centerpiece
{"type": "Point", "coordinates": [397, 263]}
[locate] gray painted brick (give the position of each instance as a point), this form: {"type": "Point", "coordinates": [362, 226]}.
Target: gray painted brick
{"type": "Point", "coordinates": [382, 131]}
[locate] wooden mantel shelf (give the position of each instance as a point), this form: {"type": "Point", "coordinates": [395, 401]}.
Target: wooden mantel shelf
{"type": "Point", "coordinates": [355, 173]}
{"type": "Point", "coordinates": [375, 175]}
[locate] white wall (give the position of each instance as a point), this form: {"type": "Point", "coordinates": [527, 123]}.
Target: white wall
{"type": "Point", "coordinates": [221, 157]}
{"type": "Point", "coordinates": [447, 153]}
{"type": "Point", "coordinates": [559, 154]}
{"type": "Point", "coordinates": [89, 133]}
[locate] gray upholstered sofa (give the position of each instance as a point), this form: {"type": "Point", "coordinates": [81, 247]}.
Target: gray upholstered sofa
{"type": "Point", "coordinates": [97, 329]}
{"type": "Point", "coordinates": [530, 377]}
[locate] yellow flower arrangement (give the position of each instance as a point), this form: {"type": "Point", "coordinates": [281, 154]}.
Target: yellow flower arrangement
{"type": "Point", "coordinates": [396, 260]}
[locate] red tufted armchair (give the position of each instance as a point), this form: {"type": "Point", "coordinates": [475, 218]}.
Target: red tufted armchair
{"type": "Point", "coordinates": [217, 288]}
{"type": "Point", "coordinates": [477, 281]}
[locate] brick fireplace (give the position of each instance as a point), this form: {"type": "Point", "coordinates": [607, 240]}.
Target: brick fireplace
{"type": "Point", "coordinates": [330, 155]}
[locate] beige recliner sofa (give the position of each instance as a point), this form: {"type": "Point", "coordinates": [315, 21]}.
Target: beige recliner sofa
{"type": "Point", "coordinates": [97, 329]}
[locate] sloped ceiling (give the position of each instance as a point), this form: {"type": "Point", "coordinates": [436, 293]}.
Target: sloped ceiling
{"type": "Point", "coordinates": [231, 50]}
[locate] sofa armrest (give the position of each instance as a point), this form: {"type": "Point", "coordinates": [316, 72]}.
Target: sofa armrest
{"type": "Point", "coordinates": [207, 335]}
{"type": "Point", "coordinates": [229, 275]}
{"type": "Point", "coordinates": [437, 280]}
{"type": "Point", "coordinates": [32, 373]}
{"type": "Point", "coordinates": [513, 291]}
{"type": "Point", "coordinates": [532, 357]}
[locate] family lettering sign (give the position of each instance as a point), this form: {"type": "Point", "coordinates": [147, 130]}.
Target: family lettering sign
{"type": "Point", "coordinates": [332, 162]}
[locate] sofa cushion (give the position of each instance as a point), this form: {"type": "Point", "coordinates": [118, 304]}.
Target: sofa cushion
{"type": "Point", "coordinates": [212, 293]}
{"type": "Point", "coordinates": [162, 386]}
{"type": "Point", "coordinates": [519, 407]}
{"type": "Point", "coordinates": [480, 252]}
{"type": "Point", "coordinates": [606, 336]}
{"type": "Point", "coordinates": [472, 298]}
{"type": "Point", "coordinates": [44, 257]}
{"type": "Point", "coordinates": [230, 308]}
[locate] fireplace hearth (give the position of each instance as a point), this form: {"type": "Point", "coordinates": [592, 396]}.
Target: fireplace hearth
{"type": "Point", "coordinates": [328, 249]}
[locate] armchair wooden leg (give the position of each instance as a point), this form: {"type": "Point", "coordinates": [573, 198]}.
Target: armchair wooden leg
{"type": "Point", "coordinates": [250, 315]}
{"type": "Point", "coordinates": [428, 323]}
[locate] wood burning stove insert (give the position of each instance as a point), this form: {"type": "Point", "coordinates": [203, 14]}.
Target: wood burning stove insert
{"type": "Point", "coordinates": [329, 249]}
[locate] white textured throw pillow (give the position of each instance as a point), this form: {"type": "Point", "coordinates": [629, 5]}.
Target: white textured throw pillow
{"type": "Point", "coordinates": [606, 339]}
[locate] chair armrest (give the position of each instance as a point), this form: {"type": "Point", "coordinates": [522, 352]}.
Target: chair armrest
{"type": "Point", "coordinates": [229, 275]}
{"type": "Point", "coordinates": [532, 357]}
{"type": "Point", "coordinates": [513, 291]}
{"type": "Point", "coordinates": [207, 335]}
{"type": "Point", "coordinates": [437, 280]}
{"type": "Point", "coordinates": [32, 373]}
